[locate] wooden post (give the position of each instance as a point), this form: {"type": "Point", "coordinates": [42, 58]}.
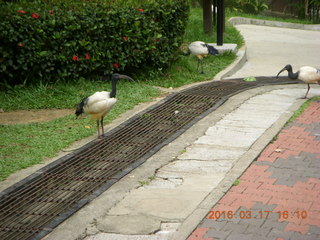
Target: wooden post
{"type": "Point", "coordinates": [207, 17]}
{"type": "Point", "coordinates": [220, 22]}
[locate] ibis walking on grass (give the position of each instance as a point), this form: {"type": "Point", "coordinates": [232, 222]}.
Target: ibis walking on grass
{"type": "Point", "coordinates": [200, 50]}
{"type": "Point", "coordinates": [306, 74]}
{"type": "Point", "coordinates": [100, 103]}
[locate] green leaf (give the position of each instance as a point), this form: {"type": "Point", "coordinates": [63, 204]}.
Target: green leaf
{"type": "Point", "coordinates": [250, 79]}
{"type": "Point", "coordinates": [43, 53]}
{"type": "Point", "coordinates": [236, 182]}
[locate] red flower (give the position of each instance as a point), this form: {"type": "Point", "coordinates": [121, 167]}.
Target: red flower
{"type": "Point", "coordinates": [75, 58]}
{"type": "Point", "coordinates": [124, 38]}
{"type": "Point", "coordinates": [87, 56]}
{"type": "Point", "coordinates": [140, 10]}
{"type": "Point", "coordinates": [51, 12]}
{"type": "Point", "coordinates": [21, 11]}
{"type": "Point", "coordinates": [116, 65]}
{"type": "Point", "coordinates": [156, 40]}
{"type": "Point", "coordinates": [35, 15]}
{"type": "Point", "coordinates": [20, 44]}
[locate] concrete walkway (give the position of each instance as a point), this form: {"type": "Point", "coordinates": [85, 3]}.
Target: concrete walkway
{"type": "Point", "coordinates": [168, 195]}
{"type": "Point", "coordinates": [278, 195]}
{"type": "Point", "coordinates": [269, 49]}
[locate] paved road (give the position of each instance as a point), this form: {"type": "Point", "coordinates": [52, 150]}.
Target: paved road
{"type": "Point", "coordinates": [269, 49]}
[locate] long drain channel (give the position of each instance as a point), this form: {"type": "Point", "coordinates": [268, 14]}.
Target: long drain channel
{"type": "Point", "coordinates": [31, 208]}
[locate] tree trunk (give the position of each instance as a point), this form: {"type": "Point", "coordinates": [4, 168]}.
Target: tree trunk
{"type": "Point", "coordinates": [220, 22]}
{"type": "Point", "coordinates": [306, 9]}
{"type": "Point", "coordinates": [207, 17]}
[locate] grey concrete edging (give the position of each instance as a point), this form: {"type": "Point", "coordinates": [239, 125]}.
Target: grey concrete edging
{"type": "Point", "coordinates": [235, 66]}
{"type": "Point", "coordinates": [242, 20]}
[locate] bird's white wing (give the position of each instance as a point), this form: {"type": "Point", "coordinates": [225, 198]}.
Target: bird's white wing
{"type": "Point", "coordinates": [198, 48]}
{"type": "Point", "coordinates": [99, 104]}
{"type": "Point", "coordinates": [103, 106]}
{"type": "Point", "coordinates": [309, 74]}
{"type": "Point", "coordinates": [99, 95]}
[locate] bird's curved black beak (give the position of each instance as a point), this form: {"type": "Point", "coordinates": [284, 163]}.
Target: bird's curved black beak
{"type": "Point", "coordinates": [280, 72]}
{"type": "Point", "coordinates": [122, 76]}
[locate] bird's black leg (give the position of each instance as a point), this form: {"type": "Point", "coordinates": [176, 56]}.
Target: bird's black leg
{"type": "Point", "coordinates": [98, 128]}
{"type": "Point", "coordinates": [307, 91]}
{"type": "Point", "coordinates": [102, 126]}
{"type": "Point", "coordinates": [198, 64]}
{"type": "Point", "coordinates": [202, 72]}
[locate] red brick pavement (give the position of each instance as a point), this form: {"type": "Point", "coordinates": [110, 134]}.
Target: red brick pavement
{"type": "Point", "coordinates": [279, 194]}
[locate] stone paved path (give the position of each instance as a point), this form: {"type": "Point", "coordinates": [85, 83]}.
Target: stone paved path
{"type": "Point", "coordinates": [278, 196]}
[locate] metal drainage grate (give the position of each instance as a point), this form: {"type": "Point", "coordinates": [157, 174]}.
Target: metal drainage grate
{"type": "Point", "coordinates": [33, 207]}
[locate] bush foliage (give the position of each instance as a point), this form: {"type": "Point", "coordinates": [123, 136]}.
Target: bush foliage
{"type": "Point", "coordinates": [62, 40]}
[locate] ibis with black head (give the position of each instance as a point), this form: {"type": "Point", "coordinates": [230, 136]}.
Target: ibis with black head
{"type": "Point", "coordinates": [306, 74]}
{"type": "Point", "coordinates": [99, 104]}
{"type": "Point", "coordinates": [200, 50]}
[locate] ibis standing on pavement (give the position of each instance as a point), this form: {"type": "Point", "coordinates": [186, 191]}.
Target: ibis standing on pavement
{"type": "Point", "coordinates": [200, 50]}
{"type": "Point", "coordinates": [306, 74]}
{"type": "Point", "coordinates": [100, 103]}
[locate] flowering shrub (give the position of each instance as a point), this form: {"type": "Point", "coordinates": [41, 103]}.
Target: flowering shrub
{"type": "Point", "coordinates": [68, 40]}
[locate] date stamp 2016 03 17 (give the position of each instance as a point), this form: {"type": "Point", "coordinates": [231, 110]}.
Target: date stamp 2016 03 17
{"type": "Point", "coordinates": [249, 214]}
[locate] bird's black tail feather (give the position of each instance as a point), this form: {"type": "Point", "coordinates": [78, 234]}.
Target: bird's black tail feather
{"type": "Point", "coordinates": [212, 50]}
{"type": "Point", "coordinates": [80, 106]}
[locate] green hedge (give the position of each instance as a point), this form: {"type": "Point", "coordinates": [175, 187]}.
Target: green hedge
{"type": "Point", "coordinates": [70, 39]}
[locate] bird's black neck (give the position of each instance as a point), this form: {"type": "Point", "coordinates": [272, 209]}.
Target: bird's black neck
{"type": "Point", "coordinates": [293, 75]}
{"type": "Point", "coordinates": [114, 88]}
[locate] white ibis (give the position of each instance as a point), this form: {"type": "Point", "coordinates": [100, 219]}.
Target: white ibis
{"type": "Point", "coordinates": [100, 103]}
{"type": "Point", "coordinates": [200, 50]}
{"type": "Point", "coordinates": [306, 74]}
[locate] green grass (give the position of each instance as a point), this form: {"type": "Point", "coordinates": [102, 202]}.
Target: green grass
{"type": "Point", "coordinates": [67, 95]}
{"type": "Point", "coordinates": [185, 70]}
{"type": "Point", "coordinates": [194, 30]}
{"type": "Point", "coordinates": [23, 145]}
{"type": "Point", "coordinates": [60, 95]}
{"type": "Point", "coordinates": [303, 107]}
